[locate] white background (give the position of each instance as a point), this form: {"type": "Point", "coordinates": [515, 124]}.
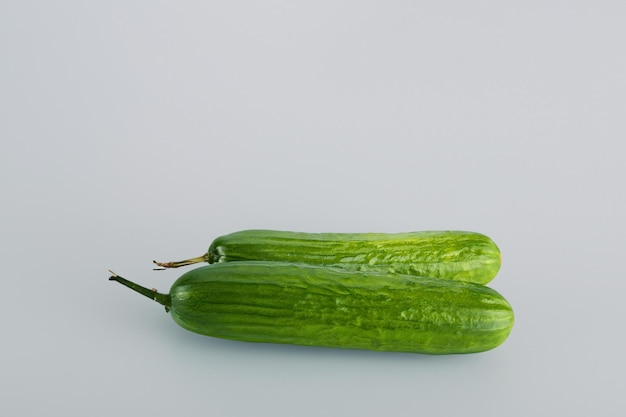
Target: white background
{"type": "Point", "coordinates": [135, 130]}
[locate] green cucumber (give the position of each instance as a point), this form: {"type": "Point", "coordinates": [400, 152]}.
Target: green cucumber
{"type": "Point", "coordinates": [301, 304]}
{"type": "Point", "coordinates": [456, 255]}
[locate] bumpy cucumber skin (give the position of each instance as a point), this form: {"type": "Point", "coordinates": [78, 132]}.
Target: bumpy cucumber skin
{"type": "Point", "coordinates": [329, 307]}
{"type": "Point", "coordinates": [456, 255]}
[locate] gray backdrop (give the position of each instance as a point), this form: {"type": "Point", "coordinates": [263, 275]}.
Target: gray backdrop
{"type": "Point", "coordinates": [135, 130]}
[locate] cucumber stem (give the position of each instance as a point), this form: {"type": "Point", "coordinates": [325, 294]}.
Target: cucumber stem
{"type": "Point", "coordinates": [163, 299]}
{"type": "Point", "coordinates": [190, 261]}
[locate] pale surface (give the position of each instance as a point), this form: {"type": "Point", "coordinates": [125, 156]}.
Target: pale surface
{"type": "Point", "coordinates": [141, 130]}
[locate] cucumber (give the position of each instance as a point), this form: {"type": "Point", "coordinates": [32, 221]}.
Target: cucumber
{"type": "Point", "coordinates": [274, 302]}
{"type": "Point", "coordinates": [456, 255]}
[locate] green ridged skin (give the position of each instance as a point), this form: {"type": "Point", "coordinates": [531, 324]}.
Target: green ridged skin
{"type": "Point", "coordinates": [301, 304]}
{"type": "Point", "coordinates": [456, 255]}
